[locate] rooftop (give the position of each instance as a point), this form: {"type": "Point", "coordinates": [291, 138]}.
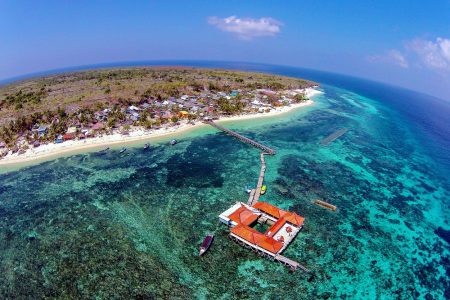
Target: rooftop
{"type": "Point", "coordinates": [284, 225]}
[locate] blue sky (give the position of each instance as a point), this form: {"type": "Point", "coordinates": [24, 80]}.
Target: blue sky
{"type": "Point", "coordinates": [406, 43]}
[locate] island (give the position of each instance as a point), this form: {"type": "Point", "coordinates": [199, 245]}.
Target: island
{"type": "Point", "coordinates": [49, 113]}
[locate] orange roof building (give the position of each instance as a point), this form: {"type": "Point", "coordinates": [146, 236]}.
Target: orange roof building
{"type": "Point", "coordinates": [284, 226]}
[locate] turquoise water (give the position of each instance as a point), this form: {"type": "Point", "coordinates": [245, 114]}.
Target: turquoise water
{"type": "Point", "coordinates": [114, 227]}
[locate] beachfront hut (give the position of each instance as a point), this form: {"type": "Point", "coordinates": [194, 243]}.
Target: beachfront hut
{"type": "Point", "coordinates": [59, 139]}
{"type": "Point", "coordinates": [72, 129]}
{"type": "Point", "coordinates": [68, 136]}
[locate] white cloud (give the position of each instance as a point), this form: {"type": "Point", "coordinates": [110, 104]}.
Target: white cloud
{"type": "Point", "coordinates": [393, 57]}
{"type": "Point", "coordinates": [398, 58]}
{"type": "Point", "coordinates": [432, 54]}
{"type": "Point", "coordinates": [247, 28]}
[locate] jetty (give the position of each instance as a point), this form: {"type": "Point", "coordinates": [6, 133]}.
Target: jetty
{"type": "Point", "coordinates": [256, 193]}
{"type": "Point", "coordinates": [332, 137]}
{"type": "Point", "coordinates": [241, 217]}
{"type": "Point", "coordinates": [242, 138]}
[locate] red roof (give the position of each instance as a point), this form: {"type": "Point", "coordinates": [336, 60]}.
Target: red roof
{"type": "Point", "coordinates": [277, 213]}
{"type": "Point", "coordinates": [243, 216]}
{"type": "Point", "coordinates": [69, 136]}
{"type": "Point", "coordinates": [276, 227]}
{"type": "Point", "coordinates": [269, 209]}
{"type": "Point", "coordinates": [295, 219]}
{"type": "Point", "coordinates": [257, 238]}
{"type": "Point", "coordinates": [247, 233]}
{"type": "Point", "coordinates": [271, 245]}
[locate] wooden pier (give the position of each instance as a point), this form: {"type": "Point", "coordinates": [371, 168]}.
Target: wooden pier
{"type": "Point", "coordinates": [329, 139]}
{"type": "Point", "coordinates": [251, 197]}
{"type": "Point", "coordinates": [254, 198]}
{"type": "Point", "coordinates": [257, 191]}
{"type": "Point", "coordinates": [242, 138]}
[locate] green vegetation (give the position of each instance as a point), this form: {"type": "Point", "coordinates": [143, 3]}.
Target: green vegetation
{"type": "Point", "coordinates": [87, 88]}
{"type": "Point", "coordinates": [21, 98]}
{"type": "Point", "coordinates": [74, 99]}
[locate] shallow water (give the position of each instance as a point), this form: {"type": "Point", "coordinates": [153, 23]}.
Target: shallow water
{"type": "Point", "coordinates": [120, 226]}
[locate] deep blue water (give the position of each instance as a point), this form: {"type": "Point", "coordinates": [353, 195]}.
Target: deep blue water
{"type": "Point", "coordinates": [112, 226]}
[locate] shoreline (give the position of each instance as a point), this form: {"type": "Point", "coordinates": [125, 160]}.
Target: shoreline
{"type": "Point", "coordinates": [53, 151]}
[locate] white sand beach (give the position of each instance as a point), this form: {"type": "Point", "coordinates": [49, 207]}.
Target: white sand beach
{"type": "Point", "coordinates": [52, 150]}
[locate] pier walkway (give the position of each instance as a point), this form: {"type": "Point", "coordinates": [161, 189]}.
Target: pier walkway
{"type": "Point", "coordinates": [256, 193]}
{"type": "Point", "coordinates": [242, 138]}
{"type": "Point", "coordinates": [254, 198]}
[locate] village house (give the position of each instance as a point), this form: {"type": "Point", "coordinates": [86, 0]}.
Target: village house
{"type": "Point", "coordinates": [100, 116]}
{"type": "Point", "coordinates": [132, 109]}
{"type": "Point", "coordinates": [97, 126]}
{"type": "Point", "coordinates": [42, 130]}
{"type": "Point", "coordinates": [134, 116]}
{"type": "Point", "coordinates": [59, 139]}
{"type": "Point", "coordinates": [71, 130]}
{"type": "Point", "coordinates": [146, 106]}
{"type": "Point", "coordinates": [68, 136]}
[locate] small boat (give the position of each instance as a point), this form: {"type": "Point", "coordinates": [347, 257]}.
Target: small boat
{"type": "Point", "coordinates": [146, 146]}
{"type": "Point", "coordinates": [101, 152]}
{"type": "Point", "coordinates": [173, 142]}
{"type": "Point", "coordinates": [206, 244]}
{"type": "Point", "coordinates": [263, 189]}
{"type": "Point", "coordinates": [123, 150]}
{"type": "Point", "coordinates": [248, 189]}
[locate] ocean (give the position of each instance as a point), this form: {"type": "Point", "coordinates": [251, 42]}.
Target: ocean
{"type": "Point", "coordinates": [129, 226]}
